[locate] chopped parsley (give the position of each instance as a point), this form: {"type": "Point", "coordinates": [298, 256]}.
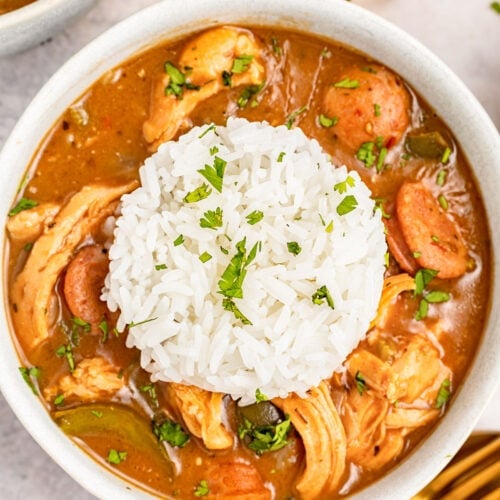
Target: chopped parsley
{"type": "Point", "coordinates": [329, 227]}
{"type": "Point", "coordinates": [248, 93]}
{"type": "Point", "coordinates": [231, 282]}
{"type": "Point", "coordinates": [66, 351]}
{"type": "Point", "coordinates": [23, 204]}
{"type": "Point", "coordinates": [441, 177]}
{"type": "Point", "coordinates": [264, 438]}
{"type": "Point", "coordinates": [103, 326]}
{"type": "Point", "coordinates": [275, 45]}
{"type": "Point", "coordinates": [422, 278]}
{"type": "Point", "coordinates": [293, 116]}
{"type": "Point", "coordinates": [201, 490]}
{"type": "Point", "coordinates": [214, 150]}
{"type": "Point", "coordinates": [59, 400]}
{"type": "Point", "coordinates": [214, 174]}
{"type": "Point", "coordinates": [446, 156]}
{"type": "Point", "coordinates": [171, 432]}
{"type": "Point", "coordinates": [366, 155]}
{"type": "Point", "coordinates": [376, 110]}
{"type": "Point", "coordinates": [347, 83]}
{"type": "Point", "coordinates": [29, 376]}
{"type": "Point", "coordinates": [254, 217]}
{"type": "Point", "coordinates": [443, 393]}
{"type": "Point", "coordinates": [179, 240]}
{"type": "Point", "coordinates": [212, 219]}
{"type": "Point", "coordinates": [132, 324]}
{"type": "Point", "coordinates": [198, 194]}
{"type": "Point", "coordinates": [97, 413]}
{"type": "Point", "coordinates": [116, 457]}
{"type": "Point", "coordinates": [229, 305]}
{"type": "Point", "coordinates": [379, 205]}
{"type": "Point", "coordinates": [327, 121]}
{"type": "Point", "coordinates": [348, 204]}
{"type": "Point", "coordinates": [241, 63]}
{"type": "Point", "coordinates": [380, 161]}
{"type": "Point", "coordinates": [150, 389]}
{"type": "Point", "coordinates": [84, 325]}
{"type": "Point", "coordinates": [227, 80]}
{"type": "Point", "coordinates": [322, 294]}
{"type": "Point", "coordinates": [205, 257]}
{"type": "Point", "coordinates": [178, 81]}
{"type": "Point", "coordinates": [160, 267]}
{"type": "Point", "coordinates": [28, 247]}
{"type": "Point", "coordinates": [360, 383]}
{"type": "Point", "coordinates": [341, 187]}
{"type": "Point", "coordinates": [416, 255]}
{"type": "Point", "coordinates": [259, 397]}
{"type": "Point", "coordinates": [293, 247]}
{"type": "Point", "coordinates": [443, 202]}
{"type": "Point", "coordinates": [281, 156]}
{"type": "Point", "coordinates": [207, 130]}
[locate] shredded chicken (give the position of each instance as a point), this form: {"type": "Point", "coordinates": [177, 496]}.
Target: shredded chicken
{"type": "Point", "coordinates": [318, 423]}
{"type": "Point", "coordinates": [93, 379]}
{"type": "Point", "coordinates": [202, 413]}
{"type": "Point", "coordinates": [209, 55]}
{"type": "Point", "coordinates": [28, 225]}
{"type": "Point", "coordinates": [33, 290]}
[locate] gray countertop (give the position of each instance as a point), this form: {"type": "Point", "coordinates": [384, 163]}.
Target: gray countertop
{"type": "Point", "coordinates": [463, 33]}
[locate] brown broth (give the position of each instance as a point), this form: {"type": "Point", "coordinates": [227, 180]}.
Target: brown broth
{"type": "Point", "coordinates": [111, 146]}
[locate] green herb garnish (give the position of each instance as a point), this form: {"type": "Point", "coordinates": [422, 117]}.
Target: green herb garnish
{"type": "Point", "coordinates": [131, 325]}
{"type": "Point", "coordinates": [198, 194]}
{"type": "Point", "coordinates": [116, 457]}
{"type": "Point", "coordinates": [366, 155]}
{"type": "Point", "coordinates": [67, 352]}
{"type": "Point", "coordinates": [322, 294]}
{"type": "Point", "coordinates": [443, 202]}
{"type": "Point", "coordinates": [21, 205]}
{"type": "Point", "coordinates": [212, 219]}
{"type": "Point", "coordinates": [179, 240]}
{"type": "Point", "coordinates": [248, 93]}
{"type": "Point", "coordinates": [327, 121]}
{"type": "Point", "coordinates": [160, 267]}
{"type": "Point", "coordinates": [348, 204]}
{"type": "Point", "coordinates": [264, 438]}
{"type": "Point", "coordinates": [259, 397]}
{"type": "Point", "coordinates": [443, 393]}
{"type": "Point", "coordinates": [376, 109]}
{"type": "Point", "coordinates": [441, 177]}
{"type": "Point", "coordinates": [178, 81]}
{"type": "Point", "coordinates": [294, 247]}
{"type": "Point", "coordinates": [293, 116]}
{"type": "Point", "coordinates": [201, 489]}
{"type": "Point", "coordinates": [254, 217]}
{"type": "Point", "coordinates": [214, 174]}
{"type": "Point", "coordinates": [171, 432]}
{"type": "Point", "coordinates": [241, 63]}
{"type": "Point", "coordinates": [205, 257]}
{"type": "Point", "coordinates": [229, 305]}
{"type": "Point", "coordinates": [347, 83]}
{"type": "Point", "coordinates": [446, 156]}
{"type": "Point", "coordinates": [103, 326]}
{"type": "Point", "coordinates": [29, 376]}
{"type": "Point", "coordinates": [341, 187]}
{"type": "Point", "coordinates": [59, 400]}
{"type": "Point", "coordinates": [360, 383]}
{"type": "Point", "coordinates": [281, 156]}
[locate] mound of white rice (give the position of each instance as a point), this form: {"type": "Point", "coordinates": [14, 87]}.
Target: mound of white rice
{"type": "Point", "coordinates": [279, 323]}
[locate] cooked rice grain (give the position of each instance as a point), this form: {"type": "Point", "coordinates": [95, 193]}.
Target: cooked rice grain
{"type": "Point", "coordinates": [171, 298]}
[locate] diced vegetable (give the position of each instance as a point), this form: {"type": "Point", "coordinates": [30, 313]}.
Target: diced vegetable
{"type": "Point", "coordinates": [427, 145]}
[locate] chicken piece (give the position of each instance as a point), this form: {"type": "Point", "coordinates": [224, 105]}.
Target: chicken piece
{"type": "Point", "coordinates": [237, 481]}
{"type": "Point", "coordinates": [429, 232]}
{"type": "Point", "coordinates": [29, 224]}
{"type": "Point", "coordinates": [83, 283]}
{"type": "Point", "coordinates": [393, 286]}
{"type": "Point", "coordinates": [409, 418]}
{"type": "Point", "coordinates": [33, 296]}
{"type": "Point", "coordinates": [209, 56]}
{"type": "Point", "coordinates": [368, 104]}
{"type": "Point", "coordinates": [319, 425]}
{"type": "Point", "coordinates": [92, 380]}
{"type": "Point", "coordinates": [201, 411]}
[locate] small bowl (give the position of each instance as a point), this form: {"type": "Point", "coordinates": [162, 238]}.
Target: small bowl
{"type": "Point", "coordinates": [27, 26]}
{"type": "Point", "coordinates": [335, 19]}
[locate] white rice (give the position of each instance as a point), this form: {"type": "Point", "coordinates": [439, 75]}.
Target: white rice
{"type": "Point", "coordinates": [187, 335]}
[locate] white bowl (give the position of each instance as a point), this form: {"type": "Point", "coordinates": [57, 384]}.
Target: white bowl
{"type": "Point", "coordinates": [337, 19]}
{"type": "Point", "coordinates": [23, 28]}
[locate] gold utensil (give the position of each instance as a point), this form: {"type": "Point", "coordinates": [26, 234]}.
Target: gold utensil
{"type": "Point", "coordinates": [473, 473]}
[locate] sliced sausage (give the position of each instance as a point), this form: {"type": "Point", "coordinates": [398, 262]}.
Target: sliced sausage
{"type": "Point", "coordinates": [83, 283]}
{"type": "Point", "coordinates": [236, 480]}
{"type": "Point", "coordinates": [376, 105]}
{"type": "Point", "coordinates": [429, 233]}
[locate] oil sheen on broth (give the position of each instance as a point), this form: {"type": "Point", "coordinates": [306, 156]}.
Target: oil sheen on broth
{"type": "Point", "coordinates": [396, 384]}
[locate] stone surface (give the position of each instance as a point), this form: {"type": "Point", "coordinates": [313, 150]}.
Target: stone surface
{"type": "Point", "coordinates": [465, 34]}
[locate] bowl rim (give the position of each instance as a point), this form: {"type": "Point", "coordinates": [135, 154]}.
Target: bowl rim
{"type": "Point", "coordinates": [336, 19]}
{"type": "Point", "coordinates": [31, 11]}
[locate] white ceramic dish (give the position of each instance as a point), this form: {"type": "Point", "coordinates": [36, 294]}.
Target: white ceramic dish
{"type": "Point", "coordinates": [336, 19]}
{"type": "Point", "coordinates": [36, 22]}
